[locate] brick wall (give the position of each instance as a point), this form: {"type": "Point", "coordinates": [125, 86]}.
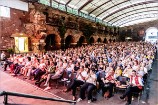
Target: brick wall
{"type": "Point", "coordinates": [21, 21]}
{"type": "Point", "coordinates": [9, 26]}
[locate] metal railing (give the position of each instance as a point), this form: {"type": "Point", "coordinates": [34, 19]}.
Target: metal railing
{"type": "Point", "coordinates": [6, 94]}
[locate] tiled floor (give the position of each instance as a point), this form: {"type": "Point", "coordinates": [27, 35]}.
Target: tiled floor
{"type": "Point", "coordinates": [9, 83]}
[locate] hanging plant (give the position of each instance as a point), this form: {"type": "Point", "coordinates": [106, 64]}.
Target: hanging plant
{"type": "Point", "coordinates": [88, 30]}
{"type": "Point", "coordinates": [10, 50]}
{"type": "Point", "coordinates": [62, 31]}
{"type": "Point", "coordinates": [62, 27]}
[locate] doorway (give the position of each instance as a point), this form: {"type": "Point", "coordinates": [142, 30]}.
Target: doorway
{"type": "Point", "coordinates": [68, 41]}
{"type": "Point", "coordinates": [91, 40]}
{"type": "Point", "coordinates": [51, 41]}
{"type": "Point", "coordinates": [81, 41]}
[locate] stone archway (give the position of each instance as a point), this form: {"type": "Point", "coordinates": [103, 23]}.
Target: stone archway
{"type": "Point", "coordinates": [99, 40]}
{"type": "Point", "coordinates": [51, 42]}
{"type": "Point", "coordinates": [105, 40]}
{"type": "Point", "coordinates": [69, 41]}
{"type": "Point", "coordinates": [91, 40]}
{"type": "Point", "coordinates": [81, 41]}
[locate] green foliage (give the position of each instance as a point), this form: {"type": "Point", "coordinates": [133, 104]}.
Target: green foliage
{"type": "Point", "coordinates": [10, 50]}
{"type": "Point", "coordinates": [62, 30]}
{"type": "Point", "coordinates": [88, 30]}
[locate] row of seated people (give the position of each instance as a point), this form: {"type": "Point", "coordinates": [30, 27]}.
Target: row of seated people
{"type": "Point", "coordinates": [119, 58]}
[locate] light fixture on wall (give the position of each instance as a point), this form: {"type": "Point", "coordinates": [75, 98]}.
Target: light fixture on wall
{"type": "Point", "coordinates": [21, 34]}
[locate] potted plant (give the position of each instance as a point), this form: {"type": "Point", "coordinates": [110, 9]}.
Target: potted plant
{"type": "Point", "coordinates": [10, 50]}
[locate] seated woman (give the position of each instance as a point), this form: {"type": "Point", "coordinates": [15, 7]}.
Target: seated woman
{"type": "Point", "coordinates": [80, 79]}
{"type": "Point", "coordinates": [24, 70]}
{"type": "Point", "coordinates": [89, 85]}
{"type": "Point", "coordinates": [20, 65]}
{"type": "Point", "coordinates": [49, 71]}
{"type": "Point", "coordinates": [136, 85]}
{"type": "Point", "coordinates": [118, 72]}
{"type": "Point", "coordinates": [13, 66]}
{"type": "Point", "coordinates": [127, 71]}
{"type": "Point", "coordinates": [40, 70]}
{"type": "Point", "coordinates": [109, 82]}
{"type": "Point", "coordinates": [34, 66]}
{"type": "Point", "coordinates": [69, 68]}
{"type": "Point", "coordinates": [58, 73]}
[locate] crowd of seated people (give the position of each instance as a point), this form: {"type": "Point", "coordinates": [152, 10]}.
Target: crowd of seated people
{"type": "Point", "coordinates": [107, 62]}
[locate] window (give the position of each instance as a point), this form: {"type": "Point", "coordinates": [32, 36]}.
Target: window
{"type": "Point", "coordinates": [74, 11]}
{"type": "Point", "coordinates": [62, 7]}
{"type": "Point", "coordinates": [55, 4]}
{"type": "Point", "coordinates": [46, 2]}
{"type": "Point", "coordinates": [69, 9]}
{"type": "Point", "coordinates": [4, 12]}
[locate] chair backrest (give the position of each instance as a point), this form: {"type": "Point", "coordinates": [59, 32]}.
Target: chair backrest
{"type": "Point", "coordinates": [65, 74]}
{"type": "Point", "coordinates": [123, 79]}
{"type": "Point", "coordinates": [102, 74]}
{"type": "Point", "coordinates": [73, 76]}
{"type": "Point", "coordinates": [61, 74]}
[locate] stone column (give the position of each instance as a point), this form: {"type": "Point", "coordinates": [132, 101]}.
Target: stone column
{"type": "Point", "coordinates": [35, 47]}
{"type": "Point", "coordinates": [58, 45]}
{"type": "Point", "coordinates": [42, 47]}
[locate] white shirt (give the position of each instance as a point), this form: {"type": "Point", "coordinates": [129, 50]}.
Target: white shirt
{"type": "Point", "coordinates": [59, 71]}
{"type": "Point", "coordinates": [28, 65]}
{"type": "Point", "coordinates": [135, 67]}
{"type": "Point", "coordinates": [145, 70]}
{"type": "Point", "coordinates": [21, 60]}
{"type": "Point", "coordinates": [141, 72]}
{"type": "Point", "coordinates": [84, 74]}
{"type": "Point", "coordinates": [91, 79]}
{"type": "Point", "coordinates": [139, 80]}
{"type": "Point", "coordinates": [42, 65]}
{"type": "Point", "coordinates": [64, 65]}
{"type": "Point", "coordinates": [3, 56]}
{"type": "Point", "coordinates": [69, 69]}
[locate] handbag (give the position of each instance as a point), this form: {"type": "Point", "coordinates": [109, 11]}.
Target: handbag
{"type": "Point", "coordinates": [106, 85]}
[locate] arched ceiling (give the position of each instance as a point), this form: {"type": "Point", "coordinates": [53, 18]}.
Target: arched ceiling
{"type": "Point", "coordinates": [116, 12]}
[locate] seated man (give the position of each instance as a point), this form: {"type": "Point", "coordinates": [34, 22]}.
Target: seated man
{"type": "Point", "coordinates": [136, 85]}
